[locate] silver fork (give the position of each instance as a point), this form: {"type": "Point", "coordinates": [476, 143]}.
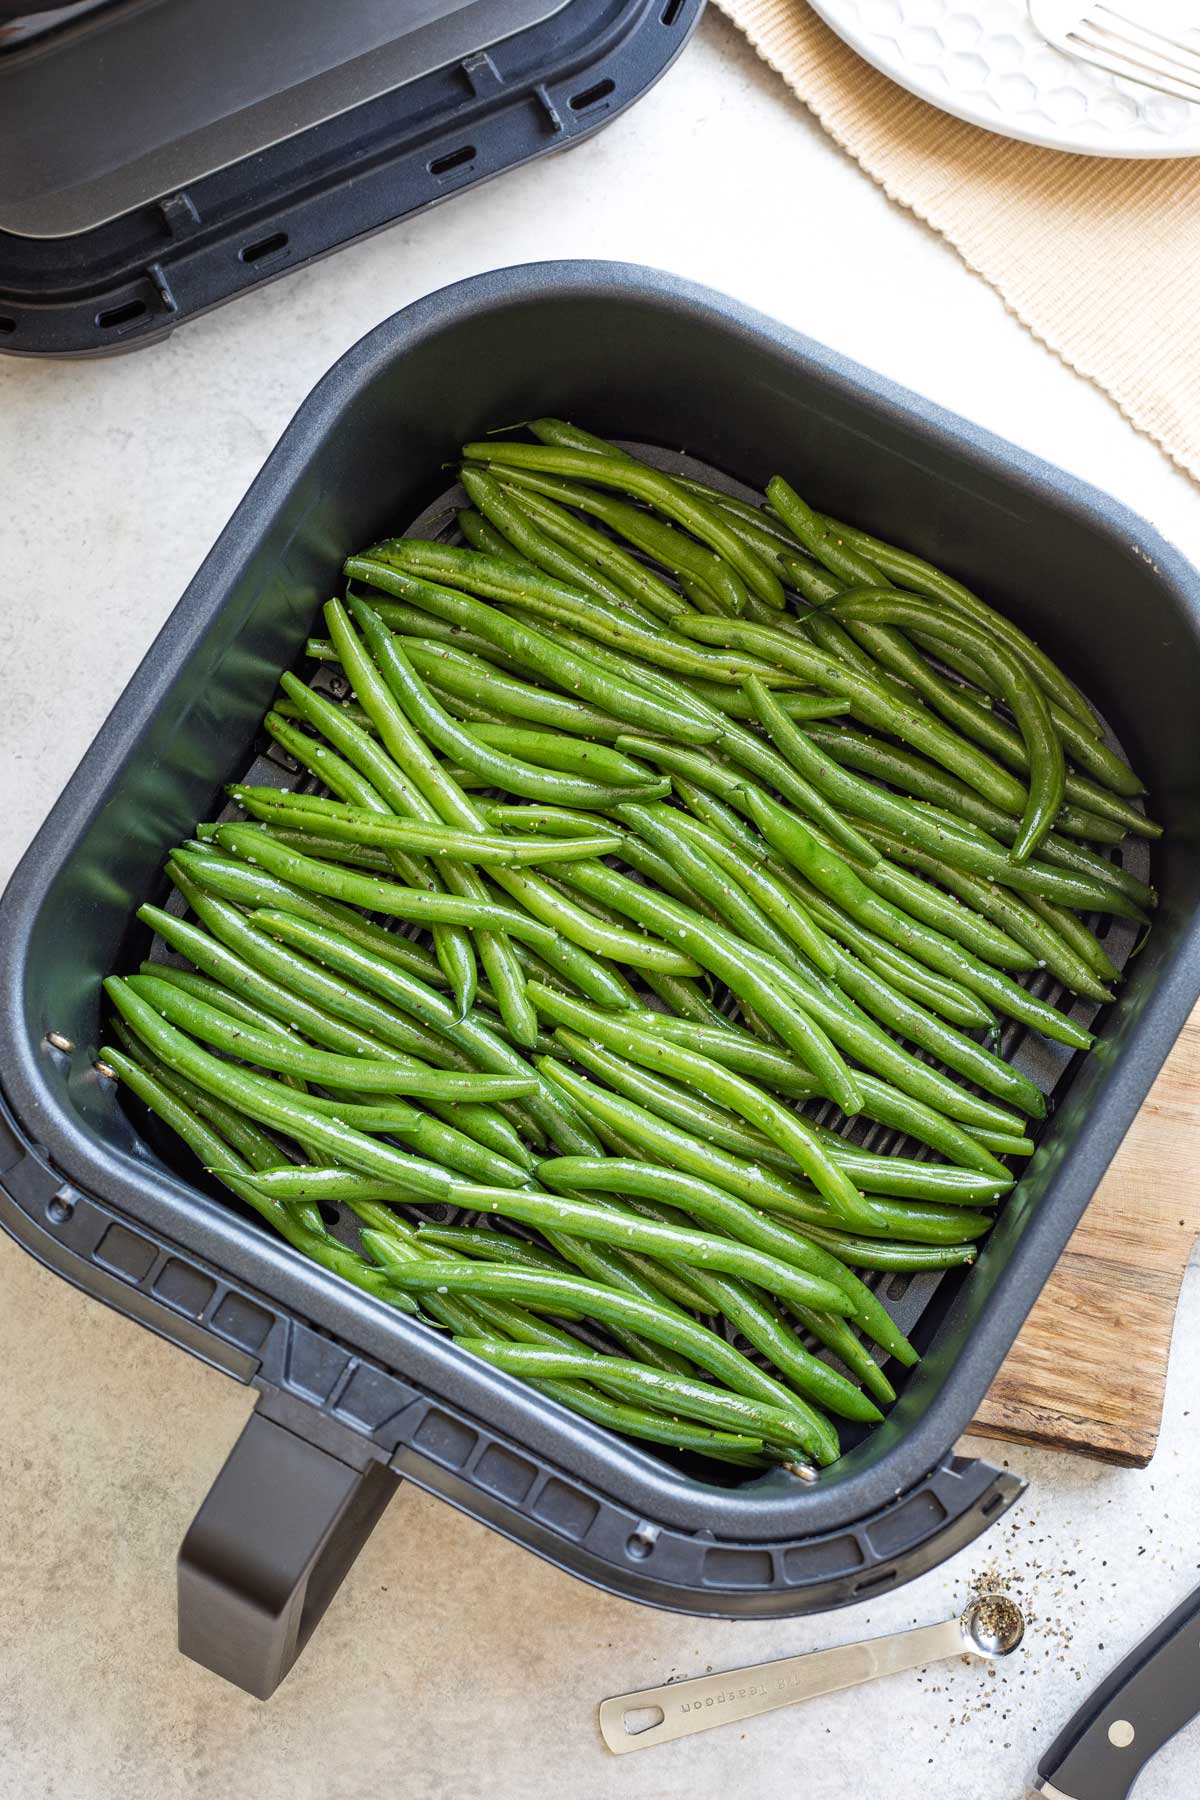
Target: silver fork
{"type": "Point", "coordinates": [1155, 52]}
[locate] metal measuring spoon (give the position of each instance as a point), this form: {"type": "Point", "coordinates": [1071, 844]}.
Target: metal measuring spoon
{"type": "Point", "coordinates": [991, 1626]}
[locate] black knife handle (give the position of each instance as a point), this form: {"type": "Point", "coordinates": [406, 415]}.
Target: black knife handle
{"type": "Point", "coordinates": [1130, 1716]}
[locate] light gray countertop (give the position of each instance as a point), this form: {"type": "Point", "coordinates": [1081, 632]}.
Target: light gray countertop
{"type": "Point", "coordinates": [452, 1663]}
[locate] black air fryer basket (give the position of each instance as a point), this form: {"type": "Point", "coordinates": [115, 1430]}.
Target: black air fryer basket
{"type": "Point", "coordinates": [354, 1396]}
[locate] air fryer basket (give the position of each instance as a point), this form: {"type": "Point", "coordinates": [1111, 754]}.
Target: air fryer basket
{"type": "Point", "coordinates": [355, 1396]}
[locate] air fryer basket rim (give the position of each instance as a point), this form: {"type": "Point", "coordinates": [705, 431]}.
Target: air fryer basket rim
{"type": "Point", "coordinates": [156, 1196]}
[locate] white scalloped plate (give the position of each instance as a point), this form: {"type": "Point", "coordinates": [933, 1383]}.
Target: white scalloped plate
{"type": "Point", "coordinates": [985, 63]}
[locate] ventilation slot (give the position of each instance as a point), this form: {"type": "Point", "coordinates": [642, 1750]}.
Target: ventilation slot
{"type": "Point", "coordinates": [7, 326]}
{"type": "Point", "coordinates": [267, 246]}
{"type": "Point", "coordinates": [454, 159]}
{"type": "Point", "coordinates": [670, 12]}
{"type": "Point", "coordinates": [120, 315]}
{"type": "Point", "coordinates": [592, 96]}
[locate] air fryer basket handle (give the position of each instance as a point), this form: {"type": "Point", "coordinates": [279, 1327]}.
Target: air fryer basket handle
{"type": "Point", "coordinates": [268, 1550]}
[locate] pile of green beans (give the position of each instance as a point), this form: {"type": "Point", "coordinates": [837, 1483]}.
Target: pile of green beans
{"type": "Point", "coordinates": [653, 835]}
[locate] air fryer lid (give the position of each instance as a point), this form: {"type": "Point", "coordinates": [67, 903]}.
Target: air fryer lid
{"type": "Point", "coordinates": [141, 97]}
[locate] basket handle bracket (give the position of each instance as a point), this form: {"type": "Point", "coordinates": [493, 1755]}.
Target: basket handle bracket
{"type": "Point", "coordinates": [271, 1545]}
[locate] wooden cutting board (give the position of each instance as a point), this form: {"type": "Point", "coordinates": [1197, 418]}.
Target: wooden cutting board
{"type": "Point", "coordinates": [1089, 1369]}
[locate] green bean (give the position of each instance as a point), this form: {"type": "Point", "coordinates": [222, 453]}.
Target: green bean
{"type": "Point", "coordinates": [881, 1102]}
{"type": "Point", "coordinates": [919, 577]}
{"type": "Point", "coordinates": [1086, 748]}
{"type": "Point", "coordinates": [853, 564]}
{"type": "Point", "coordinates": [521, 1325]}
{"type": "Point", "coordinates": [781, 993]}
{"type": "Point", "coordinates": [301, 994]}
{"type": "Point", "coordinates": [567, 753]}
{"type": "Point", "coordinates": [583, 675]}
{"type": "Point", "coordinates": [870, 1253]}
{"type": "Point", "coordinates": [816, 918]}
{"type": "Point", "coordinates": [749, 974]}
{"type": "Point", "coordinates": [947, 998]}
{"type": "Point", "coordinates": [203, 987]}
{"type": "Point", "coordinates": [419, 773]}
{"type": "Point", "coordinates": [683, 995]}
{"type": "Point", "coordinates": [790, 918]}
{"type": "Point", "coordinates": [724, 1087]}
{"type": "Point", "coordinates": [714, 1206]}
{"type": "Point", "coordinates": [269, 1103]}
{"type": "Point", "coordinates": [670, 1100]}
{"type": "Point", "coordinates": [229, 879]}
{"type": "Point", "coordinates": [674, 1330]}
{"type": "Point", "coordinates": [393, 777]}
{"type": "Point", "coordinates": [415, 623]}
{"type": "Point", "coordinates": [838, 881]}
{"type": "Point", "coordinates": [485, 1124]}
{"type": "Point", "coordinates": [287, 709]}
{"type": "Point", "coordinates": [482, 535]}
{"type": "Point", "coordinates": [749, 752]}
{"type": "Point", "coordinates": [421, 907]}
{"type": "Point", "coordinates": [963, 845]}
{"type": "Point", "coordinates": [569, 1258]}
{"type": "Point", "coordinates": [638, 1381]}
{"type": "Point", "coordinates": [549, 553]}
{"type": "Point", "coordinates": [458, 741]}
{"type": "Point", "coordinates": [923, 780]}
{"type": "Point", "coordinates": [893, 1176]}
{"type": "Point", "coordinates": [734, 704]}
{"type": "Point", "coordinates": [555, 821]}
{"type": "Point", "coordinates": [1013, 913]}
{"type": "Point", "coordinates": [760, 1323]}
{"type": "Point", "coordinates": [871, 701]}
{"type": "Point", "coordinates": [473, 1139]}
{"type": "Point", "coordinates": [671, 1281]}
{"type": "Point", "coordinates": [543, 902]}
{"type": "Point", "coordinates": [211, 1150]}
{"type": "Point", "coordinates": [709, 581]}
{"type": "Point", "coordinates": [569, 436]}
{"type": "Point", "coordinates": [366, 857]}
{"type": "Point", "coordinates": [359, 826]}
{"type": "Point", "coordinates": [630, 477]}
{"type": "Point", "coordinates": [623, 629]}
{"type": "Point", "coordinates": [683, 869]}
{"type": "Point", "coordinates": [710, 778]}
{"type": "Point", "coordinates": [716, 1036]}
{"type": "Point", "coordinates": [311, 1011]}
{"type": "Point", "coordinates": [592, 546]}
{"type": "Point", "coordinates": [1018, 690]}
{"type": "Point", "coordinates": [1079, 937]}
{"type": "Point", "coordinates": [759, 1186]}
{"type": "Point", "coordinates": [253, 1146]}
{"type": "Point", "coordinates": [493, 1246]}
{"type": "Point", "coordinates": [963, 707]}
{"type": "Point", "coordinates": [805, 895]}
{"type": "Point", "coordinates": [470, 677]}
{"type": "Point", "coordinates": [343, 780]}
{"type": "Point", "coordinates": [141, 1074]}
{"type": "Point", "coordinates": [293, 1182]}
{"type": "Point", "coordinates": [581, 1219]}
{"type": "Point", "coordinates": [663, 1281]}
{"type": "Point", "coordinates": [826, 1327]}
{"type": "Point", "coordinates": [1062, 852]}
{"type": "Point", "coordinates": [397, 987]}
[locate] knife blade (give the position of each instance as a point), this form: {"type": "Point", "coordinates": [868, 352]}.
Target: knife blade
{"type": "Point", "coordinates": [1101, 1751]}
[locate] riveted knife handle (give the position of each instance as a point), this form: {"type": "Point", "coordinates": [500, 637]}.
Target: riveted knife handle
{"type": "Point", "coordinates": [1130, 1716]}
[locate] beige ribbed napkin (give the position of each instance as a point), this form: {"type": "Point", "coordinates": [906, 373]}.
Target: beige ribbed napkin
{"type": "Point", "coordinates": [1099, 258]}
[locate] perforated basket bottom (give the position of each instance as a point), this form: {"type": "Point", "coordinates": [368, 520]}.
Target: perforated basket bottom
{"type": "Point", "coordinates": [1051, 1066]}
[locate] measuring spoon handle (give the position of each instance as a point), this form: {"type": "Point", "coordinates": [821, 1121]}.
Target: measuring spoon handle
{"type": "Point", "coordinates": [690, 1706]}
